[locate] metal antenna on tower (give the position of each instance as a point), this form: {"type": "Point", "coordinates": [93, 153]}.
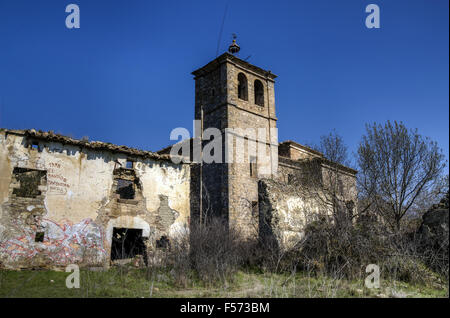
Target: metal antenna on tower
{"type": "Point", "coordinates": [221, 29]}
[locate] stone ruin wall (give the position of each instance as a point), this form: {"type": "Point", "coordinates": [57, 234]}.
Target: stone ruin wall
{"type": "Point", "coordinates": [75, 205]}
{"type": "Point", "coordinates": [296, 197]}
{"type": "Point", "coordinates": [283, 214]}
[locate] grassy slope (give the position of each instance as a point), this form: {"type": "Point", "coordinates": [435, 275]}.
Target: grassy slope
{"type": "Point", "coordinates": [140, 283]}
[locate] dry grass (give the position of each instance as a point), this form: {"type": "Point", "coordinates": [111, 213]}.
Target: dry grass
{"type": "Point", "coordinates": [135, 283]}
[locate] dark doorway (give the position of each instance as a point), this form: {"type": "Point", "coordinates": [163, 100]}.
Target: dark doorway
{"type": "Point", "coordinates": [127, 243]}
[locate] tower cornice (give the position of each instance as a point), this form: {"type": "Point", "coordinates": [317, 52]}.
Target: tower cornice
{"type": "Point", "coordinates": [229, 58]}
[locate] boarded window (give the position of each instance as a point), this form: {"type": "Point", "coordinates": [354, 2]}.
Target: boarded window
{"type": "Point", "coordinates": [29, 180]}
{"type": "Point", "coordinates": [259, 93]}
{"type": "Point", "coordinates": [125, 189]}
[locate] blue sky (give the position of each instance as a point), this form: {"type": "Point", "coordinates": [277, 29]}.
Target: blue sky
{"type": "Point", "coordinates": [124, 76]}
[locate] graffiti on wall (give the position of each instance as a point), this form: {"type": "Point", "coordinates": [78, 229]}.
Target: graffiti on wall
{"type": "Point", "coordinates": [64, 243]}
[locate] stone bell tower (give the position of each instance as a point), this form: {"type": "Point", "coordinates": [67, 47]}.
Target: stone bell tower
{"type": "Point", "coordinates": [237, 98]}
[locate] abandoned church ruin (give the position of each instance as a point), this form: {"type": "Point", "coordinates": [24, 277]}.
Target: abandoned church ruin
{"type": "Point", "coordinates": [66, 201]}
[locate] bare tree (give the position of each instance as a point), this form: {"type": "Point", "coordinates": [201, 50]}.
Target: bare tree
{"type": "Point", "coordinates": [333, 148]}
{"type": "Point", "coordinates": [396, 165]}
{"type": "Point", "coordinates": [430, 196]}
{"type": "Point", "coordinates": [336, 152]}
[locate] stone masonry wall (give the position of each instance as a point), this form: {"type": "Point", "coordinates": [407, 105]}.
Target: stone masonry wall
{"type": "Point", "coordinates": [283, 213]}
{"type": "Point", "coordinates": [244, 114]}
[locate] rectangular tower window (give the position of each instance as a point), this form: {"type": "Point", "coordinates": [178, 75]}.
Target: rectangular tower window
{"type": "Point", "coordinates": [253, 167]}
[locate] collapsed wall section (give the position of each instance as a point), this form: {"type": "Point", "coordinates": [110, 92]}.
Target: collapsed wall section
{"type": "Point", "coordinates": [283, 213]}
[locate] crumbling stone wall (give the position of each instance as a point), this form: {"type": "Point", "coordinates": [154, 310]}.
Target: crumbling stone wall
{"type": "Point", "coordinates": [434, 230]}
{"type": "Point", "coordinates": [76, 204]}
{"type": "Point", "coordinates": [283, 213]}
{"type": "Point", "coordinates": [300, 194]}
{"type": "Point", "coordinates": [332, 185]}
{"type": "Point", "coordinates": [339, 187]}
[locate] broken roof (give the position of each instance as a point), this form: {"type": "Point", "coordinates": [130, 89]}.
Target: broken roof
{"type": "Point", "coordinates": [95, 145]}
{"type": "Point", "coordinates": [160, 155]}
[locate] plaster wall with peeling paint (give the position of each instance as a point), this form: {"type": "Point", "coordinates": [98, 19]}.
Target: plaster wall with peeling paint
{"type": "Point", "coordinates": [77, 206]}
